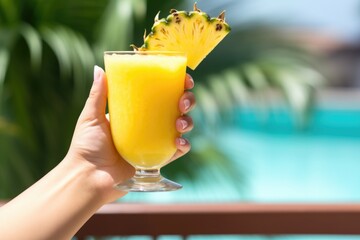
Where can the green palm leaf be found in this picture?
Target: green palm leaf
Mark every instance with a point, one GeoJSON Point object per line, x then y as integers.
{"type": "Point", "coordinates": [53, 37]}
{"type": "Point", "coordinates": [34, 44]}
{"type": "Point", "coordinates": [116, 27]}
{"type": "Point", "coordinates": [8, 12]}
{"type": "Point", "coordinates": [4, 61]}
{"type": "Point", "coordinates": [297, 83]}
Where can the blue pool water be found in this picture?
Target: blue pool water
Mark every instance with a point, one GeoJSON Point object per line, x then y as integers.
{"type": "Point", "coordinates": [321, 163]}
{"type": "Point", "coordinates": [281, 163]}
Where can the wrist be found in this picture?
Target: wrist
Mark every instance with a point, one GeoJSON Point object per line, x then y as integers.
{"type": "Point", "coordinates": [83, 175]}
{"type": "Point", "coordinates": [97, 181]}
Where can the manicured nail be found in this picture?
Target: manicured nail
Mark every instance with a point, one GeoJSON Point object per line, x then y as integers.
{"type": "Point", "coordinates": [182, 141]}
{"type": "Point", "coordinates": [187, 104]}
{"type": "Point", "coordinates": [97, 73]}
{"type": "Point", "coordinates": [184, 124]}
{"type": "Point", "coordinates": [191, 80]}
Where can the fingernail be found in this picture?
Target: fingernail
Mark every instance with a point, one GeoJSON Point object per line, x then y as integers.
{"type": "Point", "coordinates": [97, 73]}
{"type": "Point", "coordinates": [192, 81]}
{"type": "Point", "coordinates": [184, 124]}
{"type": "Point", "coordinates": [187, 104]}
{"type": "Point", "coordinates": [182, 141]}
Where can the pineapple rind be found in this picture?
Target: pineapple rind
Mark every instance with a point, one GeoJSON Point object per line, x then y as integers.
{"type": "Point", "coordinates": [195, 13]}
{"type": "Point", "coordinates": [227, 27]}
{"type": "Point", "coordinates": [194, 32]}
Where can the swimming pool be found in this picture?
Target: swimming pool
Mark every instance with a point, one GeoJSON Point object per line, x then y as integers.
{"type": "Point", "coordinates": [319, 164]}
{"type": "Point", "coordinates": [282, 163]}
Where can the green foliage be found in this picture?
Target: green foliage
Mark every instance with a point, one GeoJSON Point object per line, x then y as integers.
{"type": "Point", "coordinates": [47, 52]}
{"type": "Point", "coordinates": [48, 49]}
{"type": "Point", "coordinates": [256, 82]}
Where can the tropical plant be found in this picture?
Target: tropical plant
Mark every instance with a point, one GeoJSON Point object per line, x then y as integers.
{"type": "Point", "coordinates": [48, 49]}
{"type": "Point", "coordinates": [264, 67]}
{"type": "Point", "coordinates": [46, 61]}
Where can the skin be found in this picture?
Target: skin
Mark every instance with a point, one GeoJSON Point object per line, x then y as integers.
{"type": "Point", "coordinates": [57, 205]}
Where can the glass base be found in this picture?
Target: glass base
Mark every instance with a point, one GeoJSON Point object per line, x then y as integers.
{"type": "Point", "coordinates": [148, 181]}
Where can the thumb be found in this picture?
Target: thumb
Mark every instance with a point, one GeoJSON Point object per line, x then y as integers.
{"type": "Point", "coordinates": [96, 103]}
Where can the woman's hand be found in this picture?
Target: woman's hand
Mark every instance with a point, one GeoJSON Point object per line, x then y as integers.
{"type": "Point", "coordinates": [92, 143]}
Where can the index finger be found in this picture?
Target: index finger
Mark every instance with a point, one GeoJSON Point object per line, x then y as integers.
{"type": "Point", "coordinates": [189, 82]}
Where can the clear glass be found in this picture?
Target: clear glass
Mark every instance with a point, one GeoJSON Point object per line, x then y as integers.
{"type": "Point", "coordinates": [143, 93]}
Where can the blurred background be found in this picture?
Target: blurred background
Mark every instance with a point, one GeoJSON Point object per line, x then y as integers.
{"type": "Point", "coordinates": [278, 113]}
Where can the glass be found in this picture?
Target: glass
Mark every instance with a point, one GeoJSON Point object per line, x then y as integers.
{"type": "Point", "coordinates": [144, 89]}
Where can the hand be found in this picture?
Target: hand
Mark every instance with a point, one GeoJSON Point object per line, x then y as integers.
{"type": "Point", "coordinates": [184, 123]}
{"type": "Point", "coordinates": [92, 143]}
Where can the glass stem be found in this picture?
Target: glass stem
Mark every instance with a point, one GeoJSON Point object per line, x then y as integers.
{"type": "Point", "coordinates": [147, 173]}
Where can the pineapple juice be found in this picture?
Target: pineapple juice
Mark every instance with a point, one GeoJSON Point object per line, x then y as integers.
{"type": "Point", "coordinates": [143, 95]}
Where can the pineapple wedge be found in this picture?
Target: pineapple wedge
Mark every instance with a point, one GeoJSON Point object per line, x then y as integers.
{"type": "Point", "coordinates": [193, 33]}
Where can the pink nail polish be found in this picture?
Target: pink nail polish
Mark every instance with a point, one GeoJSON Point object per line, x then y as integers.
{"type": "Point", "coordinates": [184, 124]}
{"type": "Point", "coordinates": [187, 104]}
{"type": "Point", "coordinates": [182, 141]}
{"type": "Point", "coordinates": [192, 80]}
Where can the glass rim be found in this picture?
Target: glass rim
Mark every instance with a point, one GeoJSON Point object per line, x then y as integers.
{"type": "Point", "coordinates": [177, 53]}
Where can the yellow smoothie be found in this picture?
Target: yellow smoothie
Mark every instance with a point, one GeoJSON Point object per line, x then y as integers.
{"type": "Point", "coordinates": [143, 95]}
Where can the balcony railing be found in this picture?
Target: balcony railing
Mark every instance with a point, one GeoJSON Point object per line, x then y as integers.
{"type": "Point", "coordinates": [125, 219]}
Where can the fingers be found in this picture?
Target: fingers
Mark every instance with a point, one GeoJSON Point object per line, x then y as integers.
{"type": "Point", "coordinates": [189, 82]}
{"type": "Point", "coordinates": [183, 146]}
{"type": "Point", "coordinates": [187, 102]}
{"type": "Point", "coordinates": [184, 124]}
{"type": "Point", "coordinates": [96, 102]}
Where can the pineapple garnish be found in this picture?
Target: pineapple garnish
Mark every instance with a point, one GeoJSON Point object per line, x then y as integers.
{"type": "Point", "coordinates": [194, 33]}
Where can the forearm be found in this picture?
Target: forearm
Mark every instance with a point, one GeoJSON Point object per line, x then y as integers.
{"type": "Point", "coordinates": [55, 207]}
